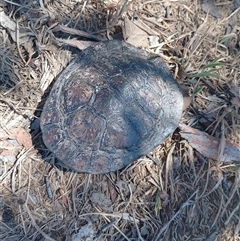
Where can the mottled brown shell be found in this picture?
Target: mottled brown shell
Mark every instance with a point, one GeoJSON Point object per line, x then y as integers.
{"type": "Point", "coordinates": [113, 104]}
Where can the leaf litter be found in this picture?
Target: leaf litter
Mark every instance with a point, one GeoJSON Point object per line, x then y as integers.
{"type": "Point", "coordinates": [181, 190]}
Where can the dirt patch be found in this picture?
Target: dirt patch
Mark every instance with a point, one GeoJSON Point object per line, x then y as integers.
{"type": "Point", "coordinates": [174, 193]}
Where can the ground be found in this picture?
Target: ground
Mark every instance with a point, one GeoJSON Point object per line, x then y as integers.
{"type": "Point", "coordinates": [175, 192]}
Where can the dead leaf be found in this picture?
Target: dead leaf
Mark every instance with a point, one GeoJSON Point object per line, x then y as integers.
{"type": "Point", "coordinates": [21, 36]}
{"type": "Point", "coordinates": [140, 24]}
{"type": "Point", "coordinates": [9, 147]}
{"type": "Point", "coordinates": [76, 43]}
{"type": "Point", "coordinates": [134, 35]}
{"type": "Point", "coordinates": [11, 143]}
{"type": "Point", "coordinates": [85, 233]}
{"type": "Point", "coordinates": [208, 145]}
{"type": "Point", "coordinates": [73, 31]}
{"type": "Point", "coordinates": [20, 135]}
{"type": "Point", "coordinates": [102, 201]}
{"type": "Point", "coordinates": [208, 6]}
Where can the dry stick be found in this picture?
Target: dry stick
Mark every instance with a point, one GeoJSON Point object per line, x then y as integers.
{"type": "Point", "coordinates": [231, 196]}
{"type": "Point", "coordinates": [158, 25]}
{"type": "Point", "coordinates": [74, 201]}
{"type": "Point", "coordinates": [213, 189]}
{"type": "Point", "coordinates": [14, 87]}
{"type": "Point", "coordinates": [104, 229]}
{"type": "Point", "coordinates": [16, 4]}
{"type": "Point", "coordinates": [169, 174]}
{"type": "Point", "coordinates": [118, 229]}
{"type": "Point", "coordinates": [222, 141]}
{"type": "Point", "coordinates": [139, 234]}
{"type": "Point", "coordinates": [124, 216]}
{"type": "Point", "coordinates": [41, 4]}
{"type": "Point", "coordinates": [130, 198]}
{"type": "Point", "coordinates": [35, 225]}
{"type": "Point", "coordinates": [232, 214]}
{"type": "Point", "coordinates": [115, 227]}
{"type": "Point", "coordinates": [81, 33]}
{"type": "Point", "coordinates": [9, 228]}
{"type": "Point", "coordinates": [201, 176]}
{"type": "Point", "coordinates": [22, 219]}
{"type": "Point", "coordinates": [80, 14]}
{"type": "Point", "coordinates": [115, 20]}
{"type": "Point", "coordinates": [29, 212]}
{"type": "Point", "coordinates": [220, 118]}
{"type": "Point", "coordinates": [70, 181]}
{"type": "Point", "coordinates": [22, 157]}
{"type": "Point", "coordinates": [212, 235]}
{"type": "Point", "coordinates": [163, 229]}
{"type": "Point", "coordinates": [157, 163]}
{"type": "Point", "coordinates": [218, 213]}
{"type": "Point", "coordinates": [13, 178]}
{"type": "Point", "coordinates": [11, 106]}
{"type": "Point", "coordinates": [229, 201]}
{"type": "Point", "coordinates": [18, 44]}
{"type": "Point", "coordinates": [233, 13]}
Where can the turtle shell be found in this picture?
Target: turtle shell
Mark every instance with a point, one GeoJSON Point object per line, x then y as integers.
{"type": "Point", "coordinates": [113, 104]}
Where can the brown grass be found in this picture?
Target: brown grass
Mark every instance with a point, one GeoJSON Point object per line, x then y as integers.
{"type": "Point", "coordinates": [181, 195]}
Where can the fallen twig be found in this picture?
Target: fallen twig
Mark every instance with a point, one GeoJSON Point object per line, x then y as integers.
{"type": "Point", "coordinates": [208, 145]}
{"type": "Point", "coordinates": [185, 204]}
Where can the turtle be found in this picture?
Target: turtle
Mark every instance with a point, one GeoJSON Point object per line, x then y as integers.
{"type": "Point", "coordinates": [111, 105]}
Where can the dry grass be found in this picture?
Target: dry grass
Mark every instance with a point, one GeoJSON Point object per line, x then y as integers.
{"type": "Point", "coordinates": [181, 195]}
